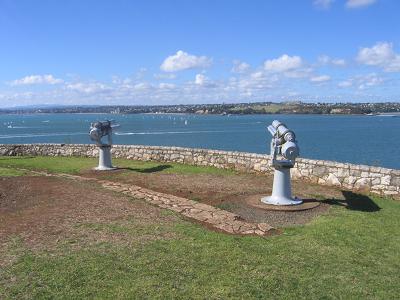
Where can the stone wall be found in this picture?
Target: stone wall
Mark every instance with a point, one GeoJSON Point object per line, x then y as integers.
{"type": "Point", "coordinates": [348, 176]}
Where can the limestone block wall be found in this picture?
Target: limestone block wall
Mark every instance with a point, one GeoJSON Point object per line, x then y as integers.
{"type": "Point", "coordinates": [348, 176]}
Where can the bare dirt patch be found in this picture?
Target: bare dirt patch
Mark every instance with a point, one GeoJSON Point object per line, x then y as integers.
{"type": "Point", "coordinates": [46, 211]}
{"type": "Point", "coordinates": [229, 192]}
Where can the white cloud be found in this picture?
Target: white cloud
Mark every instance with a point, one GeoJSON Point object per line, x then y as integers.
{"type": "Point", "coordinates": [283, 64]}
{"type": "Point", "coordinates": [381, 55]}
{"type": "Point", "coordinates": [204, 81]}
{"type": "Point", "coordinates": [166, 86]}
{"type": "Point", "coordinates": [37, 79]}
{"type": "Point", "coordinates": [325, 60]}
{"type": "Point", "coordinates": [359, 3]}
{"type": "Point", "coordinates": [323, 4]}
{"type": "Point", "coordinates": [183, 61]}
{"type": "Point", "coordinates": [345, 83]}
{"type": "Point", "coordinates": [369, 80]}
{"type": "Point", "coordinates": [259, 85]}
{"type": "Point", "coordinates": [299, 73]}
{"type": "Point", "coordinates": [165, 76]}
{"type": "Point", "coordinates": [240, 67]}
{"type": "Point", "coordinates": [377, 55]}
{"type": "Point", "coordinates": [338, 62]}
{"type": "Point", "coordinates": [141, 73]}
{"type": "Point", "coordinates": [142, 86]}
{"type": "Point", "coordinates": [200, 79]}
{"type": "Point", "coordinates": [121, 81]}
{"type": "Point", "coordinates": [321, 78]}
{"type": "Point", "coordinates": [88, 88]}
{"type": "Point", "coordinates": [257, 75]}
{"type": "Point", "coordinates": [254, 82]}
{"type": "Point", "coordinates": [270, 81]}
{"type": "Point", "coordinates": [362, 82]}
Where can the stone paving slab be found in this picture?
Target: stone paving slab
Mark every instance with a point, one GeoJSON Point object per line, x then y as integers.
{"type": "Point", "coordinates": [208, 215]}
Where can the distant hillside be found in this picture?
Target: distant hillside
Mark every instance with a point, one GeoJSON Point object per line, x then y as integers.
{"type": "Point", "coordinates": [238, 108]}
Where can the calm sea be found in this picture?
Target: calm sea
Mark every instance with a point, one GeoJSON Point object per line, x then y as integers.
{"type": "Point", "coordinates": [371, 140]}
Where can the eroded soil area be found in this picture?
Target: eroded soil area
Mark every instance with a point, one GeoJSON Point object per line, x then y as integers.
{"type": "Point", "coordinates": [229, 192]}
{"type": "Point", "coordinates": [46, 211]}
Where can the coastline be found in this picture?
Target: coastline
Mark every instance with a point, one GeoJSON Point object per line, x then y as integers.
{"type": "Point", "coordinates": [251, 108]}
{"type": "Point", "coordinates": [397, 114]}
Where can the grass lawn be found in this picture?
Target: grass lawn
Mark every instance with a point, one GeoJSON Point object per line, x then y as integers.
{"type": "Point", "coordinates": [75, 165]}
{"type": "Point", "coordinates": [346, 254]}
{"type": "Point", "coordinates": [10, 172]}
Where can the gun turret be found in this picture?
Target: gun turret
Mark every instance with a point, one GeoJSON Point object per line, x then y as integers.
{"type": "Point", "coordinates": [98, 130]}
{"type": "Point", "coordinates": [283, 144]}
{"type": "Point", "coordinates": [284, 151]}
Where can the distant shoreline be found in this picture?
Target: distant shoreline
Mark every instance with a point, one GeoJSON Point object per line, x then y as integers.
{"type": "Point", "coordinates": [395, 114]}
{"type": "Point", "coordinates": [177, 114]}
{"type": "Point", "coordinates": [254, 108]}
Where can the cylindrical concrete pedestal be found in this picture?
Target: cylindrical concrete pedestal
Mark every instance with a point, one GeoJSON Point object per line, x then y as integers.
{"type": "Point", "coordinates": [105, 158]}
{"type": "Point", "coordinates": [282, 189]}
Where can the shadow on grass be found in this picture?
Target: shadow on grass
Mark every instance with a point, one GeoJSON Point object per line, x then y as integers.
{"type": "Point", "coordinates": [354, 201]}
{"type": "Point", "coordinates": [155, 169]}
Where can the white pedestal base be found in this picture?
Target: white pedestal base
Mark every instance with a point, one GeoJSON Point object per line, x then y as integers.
{"type": "Point", "coordinates": [282, 189]}
{"type": "Point", "coordinates": [105, 159]}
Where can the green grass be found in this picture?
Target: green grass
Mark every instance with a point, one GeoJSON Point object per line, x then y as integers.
{"type": "Point", "coordinates": [50, 164]}
{"type": "Point", "coordinates": [133, 229]}
{"type": "Point", "coordinates": [10, 172]}
{"type": "Point", "coordinates": [74, 165]}
{"type": "Point", "coordinates": [269, 108]}
{"type": "Point", "coordinates": [345, 255]}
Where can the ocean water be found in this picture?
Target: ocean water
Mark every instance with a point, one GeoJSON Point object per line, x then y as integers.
{"type": "Point", "coordinates": [371, 140]}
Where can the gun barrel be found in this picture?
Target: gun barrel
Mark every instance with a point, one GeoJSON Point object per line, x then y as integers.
{"type": "Point", "coordinates": [271, 130]}
{"type": "Point", "coordinates": [285, 139]}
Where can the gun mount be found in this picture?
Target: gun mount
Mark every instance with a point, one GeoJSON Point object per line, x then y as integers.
{"type": "Point", "coordinates": [98, 130]}
{"type": "Point", "coordinates": [284, 151]}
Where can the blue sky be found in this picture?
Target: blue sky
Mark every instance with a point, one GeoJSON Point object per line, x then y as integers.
{"type": "Point", "coordinates": [214, 51]}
